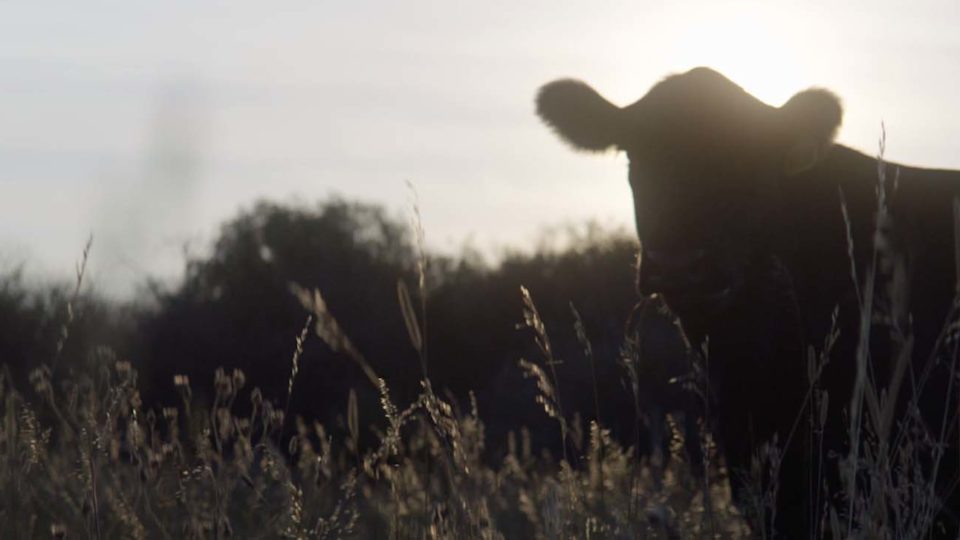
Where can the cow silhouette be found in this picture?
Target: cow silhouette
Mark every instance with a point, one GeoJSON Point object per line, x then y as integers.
{"type": "Point", "coordinates": [817, 280]}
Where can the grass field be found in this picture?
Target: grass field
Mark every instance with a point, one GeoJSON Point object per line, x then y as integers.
{"type": "Point", "coordinates": [87, 460]}
{"type": "Point", "coordinates": [81, 456]}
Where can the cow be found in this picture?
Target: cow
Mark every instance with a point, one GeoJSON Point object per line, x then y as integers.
{"type": "Point", "coordinates": [803, 269]}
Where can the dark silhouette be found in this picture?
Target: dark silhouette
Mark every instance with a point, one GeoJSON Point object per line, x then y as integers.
{"type": "Point", "coordinates": [739, 214]}
{"type": "Point", "coordinates": [235, 310]}
{"type": "Point", "coordinates": [36, 329]}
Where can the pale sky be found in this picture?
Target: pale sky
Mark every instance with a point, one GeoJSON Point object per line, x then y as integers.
{"type": "Point", "coordinates": [149, 125]}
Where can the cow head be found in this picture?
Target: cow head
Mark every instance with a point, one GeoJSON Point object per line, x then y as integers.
{"type": "Point", "coordinates": [707, 160]}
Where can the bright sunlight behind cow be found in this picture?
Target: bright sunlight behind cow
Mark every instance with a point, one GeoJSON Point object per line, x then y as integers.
{"type": "Point", "coordinates": [763, 50]}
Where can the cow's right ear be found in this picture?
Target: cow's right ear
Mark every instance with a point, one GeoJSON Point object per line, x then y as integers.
{"type": "Point", "coordinates": [580, 115]}
{"type": "Point", "coordinates": [812, 118]}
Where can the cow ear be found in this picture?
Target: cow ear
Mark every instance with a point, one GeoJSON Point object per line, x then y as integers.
{"type": "Point", "coordinates": [812, 118]}
{"type": "Point", "coordinates": [580, 115]}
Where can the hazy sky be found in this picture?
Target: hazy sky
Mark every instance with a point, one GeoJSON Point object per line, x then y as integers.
{"type": "Point", "coordinates": [148, 125]}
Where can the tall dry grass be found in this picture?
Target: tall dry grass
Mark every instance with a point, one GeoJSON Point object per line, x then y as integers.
{"type": "Point", "coordinates": [81, 456]}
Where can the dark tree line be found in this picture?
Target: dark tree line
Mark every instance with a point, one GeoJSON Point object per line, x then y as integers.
{"type": "Point", "coordinates": [235, 309]}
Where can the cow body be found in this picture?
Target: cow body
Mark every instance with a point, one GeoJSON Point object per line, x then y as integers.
{"type": "Point", "coordinates": [767, 240]}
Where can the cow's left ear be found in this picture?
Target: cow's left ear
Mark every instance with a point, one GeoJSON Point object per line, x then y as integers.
{"type": "Point", "coordinates": [581, 116]}
{"type": "Point", "coordinates": [811, 119]}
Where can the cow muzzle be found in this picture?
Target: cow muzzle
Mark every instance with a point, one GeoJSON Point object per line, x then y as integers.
{"type": "Point", "coordinates": [689, 281]}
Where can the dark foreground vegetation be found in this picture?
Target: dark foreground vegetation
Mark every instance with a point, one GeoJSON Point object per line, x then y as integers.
{"type": "Point", "coordinates": [319, 376]}
{"type": "Point", "coordinates": [292, 386]}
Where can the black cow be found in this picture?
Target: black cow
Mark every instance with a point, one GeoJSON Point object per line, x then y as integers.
{"type": "Point", "coordinates": [762, 235]}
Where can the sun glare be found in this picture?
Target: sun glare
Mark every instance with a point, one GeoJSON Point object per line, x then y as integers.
{"type": "Point", "coordinates": [758, 49]}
